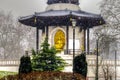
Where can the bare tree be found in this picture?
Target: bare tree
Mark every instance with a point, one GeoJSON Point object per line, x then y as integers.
{"type": "Point", "coordinates": [108, 72]}
{"type": "Point", "coordinates": [13, 37]}
{"type": "Point", "coordinates": [105, 70]}
{"type": "Point", "coordinates": [110, 32]}
{"type": "Point", "coordinates": [110, 10]}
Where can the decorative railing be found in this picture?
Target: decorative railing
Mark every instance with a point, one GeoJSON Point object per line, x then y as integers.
{"type": "Point", "coordinates": [92, 62]}
{"type": "Point", "coordinates": [77, 51]}
{"type": "Point", "coordinates": [9, 62]}
{"type": "Point", "coordinates": [70, 51]}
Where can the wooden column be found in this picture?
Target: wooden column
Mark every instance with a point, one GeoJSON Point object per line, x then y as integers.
{"type": "Point", "coordinates": [43, 34]}
{"type": "Point", "coordinates": [37, 39]}
{"type": "Point", "coordinates": [67, 39]}
{"type": "Point", "coordinates": [88, 48]}
{"type": "Point", "coordinates": [85, 40]}
{"type": "Point", "coordinates": [47, 29]}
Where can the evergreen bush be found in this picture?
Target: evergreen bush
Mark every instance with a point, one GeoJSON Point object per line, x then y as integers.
{"type": "Point", "coordinates": [46, 59]}
{"type": "Point", "coordinates": [80, 64]}
{"type": "Point", "coordinates": [25, 64]}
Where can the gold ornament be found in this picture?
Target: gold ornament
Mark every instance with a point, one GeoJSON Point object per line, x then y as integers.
{"type": "Point", "coordinates": [59, 40]}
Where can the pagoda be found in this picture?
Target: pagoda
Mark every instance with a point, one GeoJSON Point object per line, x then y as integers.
{"type": "Point", "coordinates": [65, 25]}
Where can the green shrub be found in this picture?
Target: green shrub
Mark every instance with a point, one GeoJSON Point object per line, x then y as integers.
{"type": "Point", "coordinates": [80, 64]}
{"type": "Point", "coordinates": [25, 65]}
{"type": "Point", "coordinates": [46, 59]}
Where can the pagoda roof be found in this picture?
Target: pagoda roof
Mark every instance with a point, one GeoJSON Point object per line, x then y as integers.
{"type": "Point", "coordinates": [63, 1]}
{"type": "Point", "coordinates": [62, 18]}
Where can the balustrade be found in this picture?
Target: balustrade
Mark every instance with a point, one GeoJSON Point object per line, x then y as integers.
{"type": "Point", "coordinates": [91, 62]}
{"type": "Point", "coordinates": [77, 51]}
{"type": "Point", "coordinates": [9, 62]}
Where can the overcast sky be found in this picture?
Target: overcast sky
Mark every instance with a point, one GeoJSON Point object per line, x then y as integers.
{"type": "Point", "coordinates": [27, 7]}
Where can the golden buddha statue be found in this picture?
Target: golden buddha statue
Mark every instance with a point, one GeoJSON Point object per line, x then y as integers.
{"type": "Point", "coordinates": [59, 40]}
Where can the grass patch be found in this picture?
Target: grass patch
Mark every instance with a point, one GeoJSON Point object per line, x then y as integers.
{"type": "Point", "coordinates": [6, 73]}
